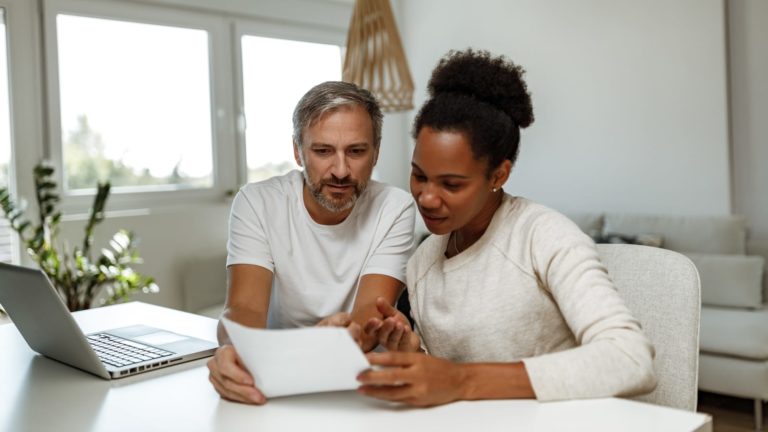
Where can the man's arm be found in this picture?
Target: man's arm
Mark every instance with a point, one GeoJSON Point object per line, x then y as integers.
{"type": "Point", "coordinates": [249, 288]}
{"type": "Point", "coordinates": [371, 287]}
{"type": "Point", "coordinates": [248, 292]}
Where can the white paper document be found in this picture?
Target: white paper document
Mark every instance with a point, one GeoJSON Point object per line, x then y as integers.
{"type": "Point", "coordinates": [294, 361]}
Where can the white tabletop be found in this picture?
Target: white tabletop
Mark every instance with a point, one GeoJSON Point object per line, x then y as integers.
{"type": "Point", "coordinates": [38, 394]}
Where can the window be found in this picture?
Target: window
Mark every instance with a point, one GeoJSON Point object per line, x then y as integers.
{"type": "Point", "coordinates": [276, 73]}
{"type": "Point", "coordinates": [174, 106]}
{"type": "Point", "coordinates": [6, 246]}
{"type": "Point", "coordinates": [135, 104]}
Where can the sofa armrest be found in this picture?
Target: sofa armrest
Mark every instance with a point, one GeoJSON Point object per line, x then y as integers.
{"type": "Point", "coordinates": [760, 248]}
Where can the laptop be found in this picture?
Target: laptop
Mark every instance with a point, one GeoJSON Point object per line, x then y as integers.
{"type": "Point", "coordinates": [46, 324]}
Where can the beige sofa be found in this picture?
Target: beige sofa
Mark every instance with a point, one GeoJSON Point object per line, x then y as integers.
{"type": "Point", "coordinates": [734, 317]}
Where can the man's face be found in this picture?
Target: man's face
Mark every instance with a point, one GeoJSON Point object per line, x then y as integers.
{"type": "Point", "coordinates": [338, 157]}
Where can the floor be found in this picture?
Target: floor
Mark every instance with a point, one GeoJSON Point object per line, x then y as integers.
{"type": "Point", "coordinates": [729, 414]}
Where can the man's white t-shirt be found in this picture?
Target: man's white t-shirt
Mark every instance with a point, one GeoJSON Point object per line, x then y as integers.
{"type": "Point", "coordinates": [317, 267]}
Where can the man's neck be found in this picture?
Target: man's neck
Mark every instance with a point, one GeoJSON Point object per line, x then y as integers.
{"type": "Point", "coordinates": [320, 214]}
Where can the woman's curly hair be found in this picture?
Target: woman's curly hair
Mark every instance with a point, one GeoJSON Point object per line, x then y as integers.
{"type": "Point", "coordinates": [481, 96]}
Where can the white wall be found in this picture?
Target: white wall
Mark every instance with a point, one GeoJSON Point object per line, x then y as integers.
{"type": "Point", "coordinates": [629, 96]}
{"type": "Point", "coordinates": [748, 34]}
{"type": "Point", "coordinates": [630, 99]}
{"type": "Point", "coordinates": [168, 239]}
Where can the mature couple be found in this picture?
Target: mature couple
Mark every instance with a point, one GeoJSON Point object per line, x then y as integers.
{"type": "Point", "coordinates": [508, 297]}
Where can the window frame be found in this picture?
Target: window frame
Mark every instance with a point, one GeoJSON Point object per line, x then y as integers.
{"type": "Point", "coordinates": [259, 28]}
{"type": "Point", "coordinates": [23, 73]}
{"type": "Point", "coordinates": [5, 225]}
{"type": "Point", "coordinates": [220, 89]}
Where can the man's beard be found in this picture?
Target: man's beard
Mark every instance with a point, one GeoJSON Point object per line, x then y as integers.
{"type": "Point", "coordinates": [330, 204]}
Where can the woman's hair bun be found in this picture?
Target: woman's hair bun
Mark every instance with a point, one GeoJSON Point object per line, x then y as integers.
{"type": "Point", "coordinates": [492, 80]}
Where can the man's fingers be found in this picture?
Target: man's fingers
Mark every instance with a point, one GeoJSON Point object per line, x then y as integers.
{"type": "Point", "coordinates": [227, 364]}
{"type": "Point", "coordinates": [234, 391]}
{"type": "Point", "coordinates": [222, 389]}
{"type": "Point", "coordinates": [341, 319]}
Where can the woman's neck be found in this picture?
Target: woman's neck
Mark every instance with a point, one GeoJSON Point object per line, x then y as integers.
{"type": "Point", "coordinates": [464, 237]}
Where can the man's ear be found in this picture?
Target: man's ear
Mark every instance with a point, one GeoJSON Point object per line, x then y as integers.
{"type": "Point", "coordinates": [297, 154]}
{"type": "Point", "coordinates": [375, 156]}
{"type": "Point", "coordinates": [501, 174]}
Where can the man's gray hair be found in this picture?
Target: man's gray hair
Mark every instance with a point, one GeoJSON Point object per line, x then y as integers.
{"type": "Point", "coordinates": [329, 96]}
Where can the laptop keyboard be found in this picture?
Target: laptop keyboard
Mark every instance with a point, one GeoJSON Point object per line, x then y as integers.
{"type": "Point", "coordinates": [119, 352]}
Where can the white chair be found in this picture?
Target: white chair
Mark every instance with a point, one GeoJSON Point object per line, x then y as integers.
{"type": "Point", "coordinates": [662, 289]}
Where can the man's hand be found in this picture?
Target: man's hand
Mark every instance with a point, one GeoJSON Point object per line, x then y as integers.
{"type": "Point", "coordinates": [230, 379]}
{"type": "Point", "coordinates": [413, 378]}
{"type": "Point", "coordinates": [392, 331]}
{"type": "Point", "coordinates": [343, 319]}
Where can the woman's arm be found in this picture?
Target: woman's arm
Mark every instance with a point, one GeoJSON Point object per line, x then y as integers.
{"type": "Point", "coordinates": [422, 380]}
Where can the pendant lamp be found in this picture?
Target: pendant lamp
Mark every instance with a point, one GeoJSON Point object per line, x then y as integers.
{"type": "Point", "coordinates": [375, 59]}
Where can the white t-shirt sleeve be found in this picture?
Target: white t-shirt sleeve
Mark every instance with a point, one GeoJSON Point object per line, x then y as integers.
{"type": "Point", "coordinates": [391, 255]}
{"type": "Point", "coordinates": [248, 242]}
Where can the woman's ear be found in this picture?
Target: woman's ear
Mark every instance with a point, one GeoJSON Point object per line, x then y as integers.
{"type": "Point", "coordinates": [501, 174]}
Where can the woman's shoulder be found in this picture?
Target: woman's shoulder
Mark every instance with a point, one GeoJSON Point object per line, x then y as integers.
{"type": "Point", "coordinates": [519, 212]}
{"type": "Point", "coordinates": [428, 254]}
{"type": "Point", "coordinates": [523, 220]}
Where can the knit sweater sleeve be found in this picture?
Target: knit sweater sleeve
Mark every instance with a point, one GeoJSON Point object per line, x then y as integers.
{"type": "Point", "coordinates": [612, 357]}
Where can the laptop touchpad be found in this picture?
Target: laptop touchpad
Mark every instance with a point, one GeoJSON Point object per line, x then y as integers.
{"type": "Point", "coordinates": [159, 338]}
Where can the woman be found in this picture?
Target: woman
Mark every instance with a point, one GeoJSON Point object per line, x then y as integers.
{"type": "Point", "coordinates": [509, 297]}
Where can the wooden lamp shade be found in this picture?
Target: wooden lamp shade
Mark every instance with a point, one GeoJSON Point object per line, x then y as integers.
{"type": "Point", "coordinates": [375, 59]}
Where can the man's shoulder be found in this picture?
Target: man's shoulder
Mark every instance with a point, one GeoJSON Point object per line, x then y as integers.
{"type": "Point", "coordinates": [278, 186]}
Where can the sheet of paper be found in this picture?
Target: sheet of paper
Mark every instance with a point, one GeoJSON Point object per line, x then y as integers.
{"type": "Point", "coordinates": [294, 361]}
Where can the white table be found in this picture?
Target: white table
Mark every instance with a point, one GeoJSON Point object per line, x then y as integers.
{"type": "Point", "coordinates": [38, 394]}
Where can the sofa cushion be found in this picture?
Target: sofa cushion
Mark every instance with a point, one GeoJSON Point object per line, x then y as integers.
{"type": "Point", "coordinates": [730, 280]}
{"type": "Point", "coordinates": [734, 332]}
{"type": "Point", "coordinates": [702, 234]}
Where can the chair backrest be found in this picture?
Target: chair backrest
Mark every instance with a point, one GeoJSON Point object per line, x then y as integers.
{"type": "Point", "coordinates": [662, 289]}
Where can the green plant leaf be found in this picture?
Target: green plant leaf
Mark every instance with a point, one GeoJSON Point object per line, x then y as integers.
{"type": "Point", "coordinates": [76, 277]}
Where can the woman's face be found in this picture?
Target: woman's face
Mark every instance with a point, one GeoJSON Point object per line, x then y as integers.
{"type": "Point", "coordinates": [449, 185]}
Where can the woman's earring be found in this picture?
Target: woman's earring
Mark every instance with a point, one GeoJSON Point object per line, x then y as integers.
{"type": "Point", "coordinates": [494, 190]}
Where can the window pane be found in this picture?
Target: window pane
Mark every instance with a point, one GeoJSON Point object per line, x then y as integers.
{"type": "Point", "coordinates": [135, 104]}
{"type": "Point", "coordinates": [5, 138]}
{"type": "Point", "coordinates": [276, 74]}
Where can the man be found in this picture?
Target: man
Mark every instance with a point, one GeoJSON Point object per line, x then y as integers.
{"type": "Point", "coordinates": [318, 247]}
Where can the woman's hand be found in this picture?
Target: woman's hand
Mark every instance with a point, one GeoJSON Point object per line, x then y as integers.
{"type": "Point", "coordinates": [392, 331]}
{"type": "Point", "coordinates": [413, 378]}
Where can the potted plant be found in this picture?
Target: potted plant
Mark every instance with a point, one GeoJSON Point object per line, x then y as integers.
{"type": "Point", "coordinates": [78, 278]}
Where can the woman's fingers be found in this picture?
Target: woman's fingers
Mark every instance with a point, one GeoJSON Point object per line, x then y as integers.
{"type": "Point", "coordinates": [391, 393]}
{"type": "Point", "coordinates": [395, 337]}
{"type": "Point", "coordinates": [385, 308]}
{"type": "Point", "coordinates": [392, 358]}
